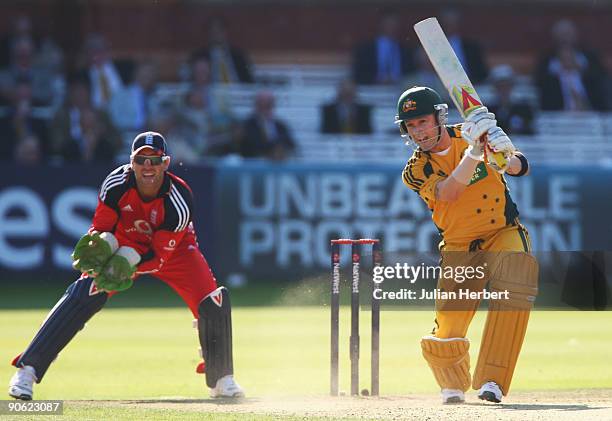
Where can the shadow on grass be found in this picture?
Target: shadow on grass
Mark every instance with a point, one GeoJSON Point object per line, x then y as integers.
{"type": "Point", "coordinates": [536, 406]}
{"type": "Point", "coordinates": [149, 292]}
{"type": "Point", "coordinates": [216, 401]}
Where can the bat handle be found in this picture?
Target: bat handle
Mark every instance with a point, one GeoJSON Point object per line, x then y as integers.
{"type": "Point", "coordinates": [498, 158]}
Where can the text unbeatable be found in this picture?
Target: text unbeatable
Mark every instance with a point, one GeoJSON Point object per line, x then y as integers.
{"type": "Point", "coordinates": [424, 294]}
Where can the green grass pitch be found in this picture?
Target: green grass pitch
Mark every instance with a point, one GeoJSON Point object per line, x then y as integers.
{"type": "Point", "coordinates": [151, 353]}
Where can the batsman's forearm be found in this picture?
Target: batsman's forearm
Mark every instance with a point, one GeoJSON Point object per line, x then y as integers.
{"type": "Point", "coordinates": [518, 165]}
{"type": "Point", "coordinates": [451, 188]}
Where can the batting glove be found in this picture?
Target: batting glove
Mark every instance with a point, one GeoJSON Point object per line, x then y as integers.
{"type": "Point", "coordinates": [499, 141]}
{"type": "Point", "coordinates": [477, 124]}
{"type": "Point", "coordinates": [499, 150]}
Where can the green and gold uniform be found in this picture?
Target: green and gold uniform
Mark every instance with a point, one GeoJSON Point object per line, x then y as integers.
{"type": "Point", "coordinates": [480, 227]}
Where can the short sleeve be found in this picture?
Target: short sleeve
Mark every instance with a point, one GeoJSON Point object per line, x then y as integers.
{"type": "Point", "coordinates": [419, 176]}
{"type": "Point", "coordinates": [178, 207]}
{"type": "Point", "coordinates": [114, 186]}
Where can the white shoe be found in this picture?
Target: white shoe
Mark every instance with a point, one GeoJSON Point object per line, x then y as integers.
{"type": "Point", "coordinates": [450, 396]}
{"type": "Point", "coordinates": [227, 387]}
{"type": "Point", "coordinates": [22, 383]}
{"type": "Point", "coordinates": [491, 392]}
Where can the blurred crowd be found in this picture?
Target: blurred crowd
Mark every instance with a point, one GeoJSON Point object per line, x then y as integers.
{"type": "Point", "coordinates": [89, 110]}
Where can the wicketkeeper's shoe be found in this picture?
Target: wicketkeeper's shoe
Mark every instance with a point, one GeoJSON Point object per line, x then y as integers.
{"type": "Point", "coordinates": [227, 387]}
{"type": "Point", "coordinates": [450, 396]}
{"type": "Point", "coordinates": [22, 383]}
{"type": "Point", "coordinates": [491, 392]}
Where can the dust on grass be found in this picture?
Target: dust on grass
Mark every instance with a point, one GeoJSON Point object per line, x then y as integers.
{"type": "Point", "coordinates": [537, 405]}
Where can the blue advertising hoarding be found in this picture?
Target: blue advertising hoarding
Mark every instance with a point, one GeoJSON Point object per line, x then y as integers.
{"type": "Point", "coordinates": [274, 221]}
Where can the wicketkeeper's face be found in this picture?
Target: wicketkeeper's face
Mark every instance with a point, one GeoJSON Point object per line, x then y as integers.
{"type": "Point", "coordinates": [149, 166]}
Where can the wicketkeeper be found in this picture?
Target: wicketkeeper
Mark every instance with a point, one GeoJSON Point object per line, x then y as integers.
{"type": "Point", "coordinates": [478, 221]}
{"type": "Point", "coordinates": [142, 225]}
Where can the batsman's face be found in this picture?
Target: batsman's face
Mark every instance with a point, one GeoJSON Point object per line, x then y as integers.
{"type": "Point", "coordinates": [149, 172]}
{"type": "Point", "coordinates": [423, 130]}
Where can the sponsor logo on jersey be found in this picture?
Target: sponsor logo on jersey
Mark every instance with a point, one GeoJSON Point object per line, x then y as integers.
{"type": "Point", "coordinates": [479, 173]}
{"type": "Point", "coordinates": [171, 245]}
{"type": "Point", "coordinates": [127, 208]}
{"type": "Point", "coordinates": [143, 227]}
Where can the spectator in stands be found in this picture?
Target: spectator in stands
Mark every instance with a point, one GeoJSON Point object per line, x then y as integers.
{"type": "Point", "coordinates": [264, 135]}
{"type": "Point", "coordinates": [104, 76]}
{"type": "Point", "coordinates": [212, 125]}
{"type": "Point", "coordinates": [46, 82]}
{"type": "Point", "coordinates": [514, 117]}
{"type": "Point", "coordinates": [233, 146]}
{"type": "Point", "coordinates": [384, 60]}
{"type": "Point", "coordinates": [468, 51]}
{"type": "Point", "coordinates": [21, 27]}
{"type": "Point", "coordinates": [180, 133]}
{"type": "Point", "coordinates": [81, 132]}
{"type": "Point", "coordinates": [345, 114]}
{"type": "Point", "coordinates": [22, 118]}
{"type": "Point", "coordinates": [228, 64]}
{"type": "Point", "coordinates": [28, 151]}
{"type": "Point", "coordinates": [201, 84]}
{"type": "Point", "coordinates": [570, 77]}
{"type": "Point", "coordinates": [130, 107]}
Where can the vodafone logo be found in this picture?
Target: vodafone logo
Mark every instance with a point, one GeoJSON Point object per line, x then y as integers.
{"type": "Point", "coordinates": [143, 227]}
{"type": "Point", "coordinates": [171, 245]}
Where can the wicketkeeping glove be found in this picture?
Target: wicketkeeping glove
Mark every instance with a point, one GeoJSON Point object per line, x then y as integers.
{"type": "Point", "coordinates": [92, 251]}
{"type": "Point", "coordinates": [478, 123]}
{"type": "Point", "coordinates": [116, 275]}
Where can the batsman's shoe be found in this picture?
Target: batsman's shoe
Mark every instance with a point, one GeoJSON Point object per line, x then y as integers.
{"type": "Point", "coordinates": [491, 392]}
{"type": "Point", "coordinates": [450, 396]}
{"type": "Point", "coordinates": [22, 383]}
{"type": "Point", "coordinates": [227, 387]}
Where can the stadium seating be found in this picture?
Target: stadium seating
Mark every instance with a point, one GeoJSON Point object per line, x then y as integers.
{"type": "Point", "coordinates": [300, 90]}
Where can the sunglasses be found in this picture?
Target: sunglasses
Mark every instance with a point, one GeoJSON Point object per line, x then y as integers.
{"type": "Point", "coordinates": [154, 160]}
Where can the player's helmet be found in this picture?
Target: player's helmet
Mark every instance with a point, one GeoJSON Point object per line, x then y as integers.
{"type": "Point", "coordinates": [419, 101]}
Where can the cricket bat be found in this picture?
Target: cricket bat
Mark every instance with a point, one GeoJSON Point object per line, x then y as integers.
{"type": "Point", "coordinates": [452, 75]}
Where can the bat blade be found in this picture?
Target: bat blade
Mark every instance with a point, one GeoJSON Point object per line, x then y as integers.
{"type": "Point", "coordinates": [451, 73]}
{"type": "Point", "coordinates": [447, 65]}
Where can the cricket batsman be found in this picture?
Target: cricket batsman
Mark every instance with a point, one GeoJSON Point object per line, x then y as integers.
{"type": "Point", "coordinates": [478, 221]}
{"type": "Point", "coordinates": [142, 225]}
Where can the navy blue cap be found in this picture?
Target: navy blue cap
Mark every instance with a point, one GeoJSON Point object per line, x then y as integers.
{"type": "Point", "coordinates": [152, 140]}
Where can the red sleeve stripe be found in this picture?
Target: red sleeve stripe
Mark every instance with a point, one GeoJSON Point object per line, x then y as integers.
{"type": "Point", "coordinates": [181, 207]}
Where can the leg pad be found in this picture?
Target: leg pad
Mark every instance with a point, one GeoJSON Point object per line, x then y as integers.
{"type": "Point", "coordinates": [507, 320]}
{"type": "Point", "coordinates": [449, 359]}
{"type": "Point", "coordinates": [215, 332]}
{"type": "Point", "coordinates": [78, 304]}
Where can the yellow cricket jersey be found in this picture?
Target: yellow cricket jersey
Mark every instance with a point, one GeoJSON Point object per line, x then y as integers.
{"type": "Point", "coordinates": [483, 208]}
